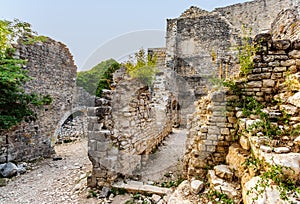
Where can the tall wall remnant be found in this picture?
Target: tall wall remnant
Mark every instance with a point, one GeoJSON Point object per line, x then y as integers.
{"type": "Point", "coordinates": [126, 125]}
{"type": "Point", "coordinates": [52, 68]}
{"type": "Point", "coordinates": [216, 123]}
{"type": "Point", "coordinates": [199, 44]}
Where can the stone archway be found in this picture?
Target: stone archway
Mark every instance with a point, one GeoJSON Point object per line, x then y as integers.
{"type": "Point", "coordinates": [66, 115]}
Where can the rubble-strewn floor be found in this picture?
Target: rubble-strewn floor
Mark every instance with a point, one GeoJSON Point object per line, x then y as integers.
{"type": "Point", "coordinates": [62, 181]}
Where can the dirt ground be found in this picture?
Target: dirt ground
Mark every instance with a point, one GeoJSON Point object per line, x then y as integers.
{"type": "Point", "coordinates": [48, 181]}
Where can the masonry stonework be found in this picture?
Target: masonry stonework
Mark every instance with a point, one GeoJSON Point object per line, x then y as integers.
{"type": "Point", "coordinates": [52, 68]}
{"type": "Point", "coordinates": [127, 124]}
{"type": "Point", "coordinates": [216, 123]}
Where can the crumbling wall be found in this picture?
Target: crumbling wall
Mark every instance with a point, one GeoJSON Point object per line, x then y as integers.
{"type": "Point", "coordinates": [125, 126]}
{"type": "Point", "coordinates": [258, 14]}
{"type": "Point", "coordinates": [195, 50]}
{"type": "Point", "coordinates": [52, 68]}
{"type": "Point", "coordinates": [216, 123]}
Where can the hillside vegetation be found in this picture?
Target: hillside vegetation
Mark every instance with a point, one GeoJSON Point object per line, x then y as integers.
{"type": "Point", "coordinates": [100, 75]}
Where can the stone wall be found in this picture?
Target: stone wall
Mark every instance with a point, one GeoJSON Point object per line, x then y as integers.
{"type": "Point", "coordinates": [52, 68]}
{"type": "Point", "coordinates": [127, 124]}
{"type": "Point", "coordinates": [198, 51]}
{"type": "Point", "coordinates": [216, 123]}
{"type": "Point", "coordinates": [258, 14]}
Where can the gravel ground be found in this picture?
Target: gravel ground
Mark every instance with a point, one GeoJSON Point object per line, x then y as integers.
{"type": "Point", "coordinates": [48, 181]}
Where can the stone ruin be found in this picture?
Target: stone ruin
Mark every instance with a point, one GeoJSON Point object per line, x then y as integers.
{"type": "Point", "coordinates": [52, 68]}
{"type": "Point", "coordinates": [127, 124]}
{"type": "Point", "coordinates": [189, 63]}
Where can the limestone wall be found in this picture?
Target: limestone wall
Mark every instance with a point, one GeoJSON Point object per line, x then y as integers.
{"type": "Point", "coordinates": [216, 123]}
{"type": "Point", "coordinates": [258, 14]}
{"type": "Point", "coordinates": [52, 68]}
{"type": "Point", "coordinates": [125, 126]}
{"type": "Point", "coordinates": [199, 44]}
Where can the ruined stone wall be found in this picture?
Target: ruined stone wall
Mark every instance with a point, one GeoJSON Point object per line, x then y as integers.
{"type": "Point", "coordinates": [52, 68]}
{"type": "Point", "coordinates": [257, 15]}
{"type": "Point", "coordinates": [159, 54]}
{"type": "Point", "coordinates": [191, 44]}
{"type": "Point", "coordinates": [199, 43]}
{"type": "Point", "coordinates": [125, 126]}
{"type": "Point", "coordinates": [214, 125]}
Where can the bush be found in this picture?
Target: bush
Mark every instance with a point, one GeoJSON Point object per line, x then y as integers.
{"type": "Point", "coordinates": [142, 67]}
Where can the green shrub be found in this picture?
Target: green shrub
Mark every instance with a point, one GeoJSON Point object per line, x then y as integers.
{"type": "Point", "coordinates": [142, 67]}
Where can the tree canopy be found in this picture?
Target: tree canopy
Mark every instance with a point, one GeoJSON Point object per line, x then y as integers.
{"type": "Point", "coordinates": [98, 78]}
{"type": "Point", "coordinates": [15, 104]}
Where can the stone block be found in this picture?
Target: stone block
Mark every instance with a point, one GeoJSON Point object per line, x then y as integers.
{"type": "Point", "coordinates": [267, 69]}
{"type": "Point", "coordinates": [244, 142]}
{"type": "Point", "coordinates": [214, 130]}
{"type": "Point", "coordinates": [295, 54]}
{"type": "Point", "coordinates": [197, 186]}
{"type": "Point", "coordinates": [293, 69]}
{"type": "Point", "coordinates": [218, 96]}
{"type": "Point", "coordinates": [280, 69]}
{"type": "Point", "coordinates": [287, 63]}
{"type": "Point", "coordinates": [224, 172]}
{"type": "Point", "coordinates": [225, 131]}
{"type": "Point", "coordinates": [212, 137]}
{"type": "Point", "coordinates": [235, 158]}
{"type": "Point", "coordinates": [210, 148]}
{"type": "Point", "coordinates": [254, 84]}
{"type": "Point", "coordinates": [256, 70]}
{"type": "Point", "coordinates": [281, 44]}
{"type": "Point", "coordinates": [274, 64]}
{"type": "Point", "coordinates": [268, 58]}
{"type": "Point", "coordinates": [267, 90]}
{"type": "Point", "coordinates": [265, 148]}
{"type": "Point", "coordinates": [276, 76]}
{"type": "Point", "coordinates": [296, 44]}
{"type": "Point", "coordinates": [281, 150]}
{"type": "Point", "coordinates": [268, 83]}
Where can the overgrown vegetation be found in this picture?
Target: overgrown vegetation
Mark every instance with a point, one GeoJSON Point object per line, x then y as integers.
{"type": "Point", "coordinates": [98, 78]}
{"type": "Point", "coordinates": [171, 183]}
{"type": "Point", "coordinates": [271, 127]}
{"type": "Point", "coordinates": [107, 78]}
{"type": "Point", "coordinates": [142, 67]}
{"type": "Point", "coordinates": [16, 104]}
{"type": "Point", "coordinates": [218, 197]}
{"type": "Point", "coordinates": [274, 175]}
{"type": "Point", "coordinates": [246, 52]}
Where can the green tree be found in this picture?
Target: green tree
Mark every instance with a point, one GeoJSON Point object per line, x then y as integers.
{"type": "Point", "coordinates": [142, 67]}
{"type": "Point", "coordinates": [107, 78]}
{"type": "Point", "coordinates": [89, 80]}
{"type": "Point", "coordinates": [15, 104]}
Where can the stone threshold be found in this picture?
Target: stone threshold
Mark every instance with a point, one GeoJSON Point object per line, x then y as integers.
{"type": "Point", "coordinates": [140, 187]}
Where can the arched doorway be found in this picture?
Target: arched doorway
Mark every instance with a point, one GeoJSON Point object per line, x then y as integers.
{"type": "Point", "coordinates": [72, 125]}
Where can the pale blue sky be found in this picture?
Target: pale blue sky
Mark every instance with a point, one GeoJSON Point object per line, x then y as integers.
{"type": "Point", "coordinates": [90, 25]}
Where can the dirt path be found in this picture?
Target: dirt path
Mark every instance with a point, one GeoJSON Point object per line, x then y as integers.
{"type": "Point", "coordinates": [49, 181]}
{"type": "Point", "coordinates": [167, 158]}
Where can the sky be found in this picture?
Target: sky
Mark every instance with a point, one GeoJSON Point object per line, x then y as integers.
{"type": "Point", "coordinates": [95, 30]}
